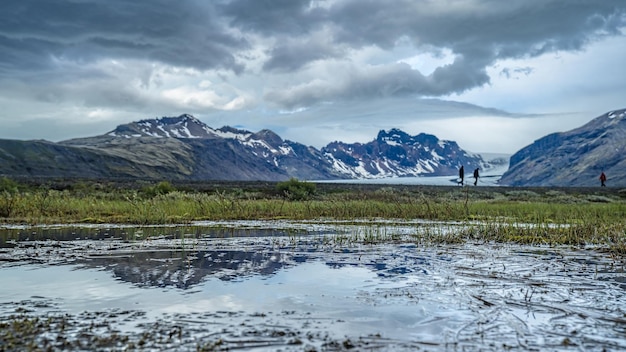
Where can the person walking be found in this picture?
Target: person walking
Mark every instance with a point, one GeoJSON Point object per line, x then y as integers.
{"type": "Point", "coordinates": [475, 176]}
{"type": "Point", "coordinates": [602, 179]}
{"type": "Point", "coordinates": [461, 175]}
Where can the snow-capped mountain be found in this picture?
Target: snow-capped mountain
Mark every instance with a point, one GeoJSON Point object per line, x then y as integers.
{"type": "Point", "coordinates": [574, 158]}
{"type": "Point", "coordinates": [395, 153]}
{"type": "Point", "coordinates": [203, 152]}
{"type": "Point", "coordinates": [265, 143]}
{"type": "Point", "coordinates": [183, 147]}
{"type": "Point", "coordinates": [183, 126]}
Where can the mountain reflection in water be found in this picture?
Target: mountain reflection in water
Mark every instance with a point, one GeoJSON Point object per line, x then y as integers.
{"type": "Point", "coordinates": [184, 270]}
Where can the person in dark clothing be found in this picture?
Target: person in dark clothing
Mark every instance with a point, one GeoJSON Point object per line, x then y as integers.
{"type": "Point", "coordinates": [475, 176]}
{"type": "Point", "coordinates": [461, 175]}
{"type": "Point", "coordinates": [602, 179]}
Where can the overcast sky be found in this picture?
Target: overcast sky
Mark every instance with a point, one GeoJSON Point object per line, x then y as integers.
{"type": "Point", "coordinates": [492, 75]}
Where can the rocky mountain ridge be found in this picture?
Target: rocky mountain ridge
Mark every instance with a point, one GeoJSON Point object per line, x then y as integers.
{"type": "Point", "coordinates": [183, 147]}
{"type": "Point", "coordinates": [574, 158]}
{"type": "Point", "coordinates": [395, 153]}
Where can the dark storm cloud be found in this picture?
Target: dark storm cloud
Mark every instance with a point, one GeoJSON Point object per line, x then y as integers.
{"type": "Point", "coordinates": [497, 28]}
{"type": "Point", "coordinates": [381, 81]}
{"type": "Point", "coordinates": [274, 17]}
{"type": "Point", "coordinates": [478, 33]}
{"type": "Point", "coordinates": [483, 31]}
{"type": "Point", "coordinates": [295, 54]}
{"type": "Point", "coordinates": [182, 33]}
{"type": "Point", "coordinates": [394, 80]}
{"type": "Point", "coordinates": [36, 35]}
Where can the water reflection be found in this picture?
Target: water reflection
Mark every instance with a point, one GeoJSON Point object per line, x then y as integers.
{"type": "Point", "coordinates": [184, 270]}
{"type": "Point", "coordinates": [185, 256]}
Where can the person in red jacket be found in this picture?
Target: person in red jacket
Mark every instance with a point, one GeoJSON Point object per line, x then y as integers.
{"type": "Point", "coordinates": [602, 179]}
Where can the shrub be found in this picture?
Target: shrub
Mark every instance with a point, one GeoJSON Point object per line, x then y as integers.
{"type": "Point", "coordinates": [295, 189]}
{"type": "Point", "coordinates": [161, 188]}
{"type": "Point", "coordinates": [8, 196]}
{"type": "Point", "coordinates": [8, 185]}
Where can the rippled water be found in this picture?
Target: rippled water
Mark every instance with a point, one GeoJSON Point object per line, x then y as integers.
{"type": "Point", "coordinates": [265, 290]}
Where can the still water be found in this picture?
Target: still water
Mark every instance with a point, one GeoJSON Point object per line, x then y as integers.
{"type": "Point", "coordinates": [307, 292]}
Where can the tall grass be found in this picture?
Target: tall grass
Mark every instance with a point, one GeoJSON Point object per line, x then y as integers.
{"type": "Point", "coordinates": [131, 206]}
{"type": "Point", "coordinates": [521, 216]}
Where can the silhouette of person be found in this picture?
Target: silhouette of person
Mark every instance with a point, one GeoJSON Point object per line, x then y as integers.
{"type": "Point", "coordinates": [475, 176]}
{"type": "Point", "coordinates": [602, 179]}
{"type": "Point", "coordinates": [461, 175]}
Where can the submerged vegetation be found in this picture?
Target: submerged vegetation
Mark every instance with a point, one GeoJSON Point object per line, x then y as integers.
{"type": "Point", "coordinates": [529, 216]}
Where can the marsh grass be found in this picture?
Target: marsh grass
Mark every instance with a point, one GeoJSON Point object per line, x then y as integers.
{"type": "Point", "coordinates": [610, 238]}
{"type": "Point", "coordinates": [50, 206]}
{"type": "Point", "coordinates": [549, 217]}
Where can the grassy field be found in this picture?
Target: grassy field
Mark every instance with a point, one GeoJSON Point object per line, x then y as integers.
{"type": "Point", "coordinates": [574, 216]}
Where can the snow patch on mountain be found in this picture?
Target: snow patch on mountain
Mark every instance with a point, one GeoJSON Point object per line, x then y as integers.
{"type": "Point", "coordinates": [618, 113]}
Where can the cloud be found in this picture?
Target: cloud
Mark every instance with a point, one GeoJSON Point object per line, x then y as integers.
{"type": "Point", "coordinates": [242, 62]}
{"type": "Point", "coordinates": [273, 18]}
{"type": "Point", "coordinates": [478, 33]}
{"type": "Point", "coordinates": [381, 81]}
{"type": "Point", "coordinates": [185, 33]}
{"type": "Point", "coordinates": [294, 53]}
{"type": "Point", "coordinates": [589, 82]}
{"type": "Point", "coordinates": [218, 35]}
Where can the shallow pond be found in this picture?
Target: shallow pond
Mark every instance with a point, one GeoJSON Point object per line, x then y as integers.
{"type": "Point", "coordinates": [294, 286]}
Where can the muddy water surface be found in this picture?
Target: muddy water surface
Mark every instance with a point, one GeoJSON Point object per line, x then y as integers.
{"type": "Point", "coordinates": [253, 287]}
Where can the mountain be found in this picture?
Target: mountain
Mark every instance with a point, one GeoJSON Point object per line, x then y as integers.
{"type": "Point", "coordinates": [184, 126]}
{"type": "Point", "coordinates": [184, 148]}
{"type": "Point", "coordinates": [44, 159]}
{"type": "Point", "coordinates": [574, 158]}
{"type": "Point", "coordinates": [395, 153]}
{"type": "Point", "coordinates": [201, 152]}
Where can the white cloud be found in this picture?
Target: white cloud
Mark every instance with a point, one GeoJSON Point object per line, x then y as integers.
{"type": "Point", "coordinates": [428, 62]}
{"type": "Point", "coordinates": [192, 98]}
{"type": "Point", "coordinates": [589, 81]}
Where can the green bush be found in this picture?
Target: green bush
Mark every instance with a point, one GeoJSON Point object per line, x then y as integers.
{"type": "Point", "coordinates": [161, 188]}
{"type": "Point", "coordinates": [295, 189]}
{"type": "Point", "coordinates": [8, 197]}
{"type": "Point", "coordinates": [8, 185]}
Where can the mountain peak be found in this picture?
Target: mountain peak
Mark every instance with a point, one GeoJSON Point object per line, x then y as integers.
{"type": "Point", "coordinates": [396, 136]}
{"type": "Point", "coordinates": [180, 120]}
{"type": "Point", "coordinates": [269, 136]}
{"type": "Point", "coordinates": [393, 136]}
{"type": "Point", "coordinates": [187, 116]}
{"type": "Point", "coordinates": [183, 126]}
{"type": "Point", "coordinates": [396, 153]}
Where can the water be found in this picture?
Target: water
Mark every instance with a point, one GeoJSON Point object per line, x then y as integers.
{"type": "Point", "coordinates": [306, 292]}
